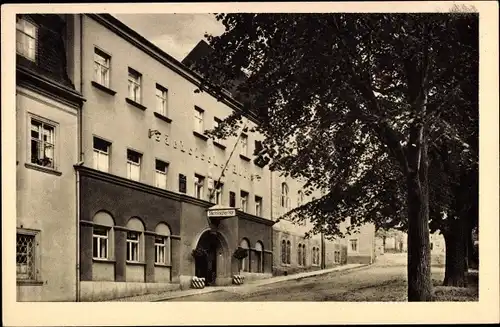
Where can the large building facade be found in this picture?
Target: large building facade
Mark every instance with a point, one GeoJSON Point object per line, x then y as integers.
{"type": "Point", "coordinates": [132, 177]}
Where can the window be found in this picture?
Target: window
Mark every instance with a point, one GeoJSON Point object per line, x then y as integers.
{"type": "Point", "coordinates": [288, 251]}
{"type": "Point", "coordinates": [162, 244]}
{"type": "Point", "coordinates": [245, 262]}
{"type": "Point", "coordinates": [244, 201]}
{"type": "Point", "coordinates": [133, 165]}
{"type": "Point", "coordinates": [285, 200]}
{"type": "Point", "coordinates": [102, 236]}
{"type": "Point", "coordinates": [26, 265]}
{"type": "Point", "coordinates": [26, 39]}
{"type": "Point", "coordinates": [283, 251]}
{"type": "Point", "coordinates": [133, 246]}
{"type": "Point", "coordinates": [299, 255]}
{"type": "Point", "coordinates": [42, 144]}
{"type": "Point", "coordinates": [161, 169]}
{"type": "Point", "coordinates": [244, 145]}
{"type": "Point", "coordinates": [300, 198]}
{"type": "Point", "coordinates": [317, 256]}
{"type": "Point", "coordinates": [160, 249]}
{"type": "Point", "coordinates": [336, 256]}
{"type": "Point", "coordinates": [101, 67]}
{"type": "Point", "coordinates": [258, 206]}
{"type": "Point", "coordinates": [304, 254]}
{"type": "Point", "coordinates": [218, 192]}
{"type": "Point", "coordinates": [101, 154]}
{"type": "Point", "coordinates": [198, 186]}
{"type": "Point", "coordinates": [161, 100]}
{"type": "Point", "coordinates": [432, 246]}
{"type": "Point", "coordinates": [100, 242]}
{"type": "Point", "coordinates": [354, 245]}
{"type": "Point", "coordinates": [182, 183]}
{"type": "Point", "coordinates": [232, 199]}
{"type": "Point", "coordinates": [134, 85]}
{"type": "Point", "coordinates": [216, 124]}
{"type": "Point", "coordinates": [259, 254]}
{"type": "Point", "coordinates": [198, 120]}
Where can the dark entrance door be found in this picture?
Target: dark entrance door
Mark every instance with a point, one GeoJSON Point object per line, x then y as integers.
{"type": "Point", "coordinates": [206, 265]}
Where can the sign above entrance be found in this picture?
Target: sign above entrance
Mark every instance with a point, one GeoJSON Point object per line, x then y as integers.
{"type": "Point", "coordinates": [221, 212]}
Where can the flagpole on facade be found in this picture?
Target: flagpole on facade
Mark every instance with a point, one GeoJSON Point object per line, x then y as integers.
{"type": "Point", "coordinates": [225, 165]}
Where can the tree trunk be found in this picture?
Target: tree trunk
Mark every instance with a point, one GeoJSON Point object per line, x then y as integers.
{"type": "Point", "coordinates": [455, 239]}
{"type": "Point", "coordinates": [419, 272]}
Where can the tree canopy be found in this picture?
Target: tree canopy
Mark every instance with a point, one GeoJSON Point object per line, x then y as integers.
{"type": "Point", "coordinates": [358, 106]}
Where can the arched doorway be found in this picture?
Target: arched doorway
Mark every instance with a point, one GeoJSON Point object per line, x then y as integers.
{"type": "Point", "coordinates": [210, 265]}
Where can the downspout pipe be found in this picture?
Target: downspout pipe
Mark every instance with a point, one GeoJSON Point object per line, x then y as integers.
{"type": "Point", "coordinates": [80, 162]}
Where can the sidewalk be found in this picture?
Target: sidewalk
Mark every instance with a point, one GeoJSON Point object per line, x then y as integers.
{"type": "Point", "coordinates": [249, 286]}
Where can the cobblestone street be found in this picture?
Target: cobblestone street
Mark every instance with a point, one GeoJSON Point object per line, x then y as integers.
{"type": "Point", "coordinates": [382, 281]}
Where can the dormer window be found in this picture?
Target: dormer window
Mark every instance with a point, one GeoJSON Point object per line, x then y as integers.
{"type": "Point", "coordinates": [26, 39]}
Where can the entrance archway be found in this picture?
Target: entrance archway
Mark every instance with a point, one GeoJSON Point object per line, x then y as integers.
{"type": "Point", "coordinates": [212, 264]}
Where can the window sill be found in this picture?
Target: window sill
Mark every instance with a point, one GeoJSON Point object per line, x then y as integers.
{"type": "Point", "coordinates": [43, 169]}
{"type": "Point", "coordinates": [162, 265]}
{"type": "Point", "coordinates": [135, 104]}
{"type": "Point", "coordinates": [219, 145]}
{"type": "Point", "coordinates": [103, 88]}
{"type": "Point", "coordinates": [201, 136]}
{"type": "Point", "coordinates": [134, 263]}
{"type": "Point", "coordinates": [162, 117]}
{"type": "Point", "coordinates": [103, 260]}
{"type": "Point", "coordinates": [29, 283]}
{"type": "Point", "coordinates": [244, 157]}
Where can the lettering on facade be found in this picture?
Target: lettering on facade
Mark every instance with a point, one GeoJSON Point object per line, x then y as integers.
{"type": "Point", "coordinates": [176, 144]}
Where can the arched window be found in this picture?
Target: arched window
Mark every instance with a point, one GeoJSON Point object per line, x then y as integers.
{"type": "Point", "coordinates": [260, 256]}
{"type": "Point", "coordinates": [135, 240]}
{"type": "Point", "coordinates": [102, 236]}
{"type": "Point", "coordinates": [283, 251]}
{"type": "Point", "coordinates": [304, 254]}
{"type": "Point", "coordinates": [163, 247]}
{"type": "Point", "coordinates": [245, 263]}
{"type": "Point", "coordinates": [300, 198]}
{"type": "Point", "coordinates": [314, 256]}
{"type": "Point", "coordinates": [285, 200]}
{"type": "Point", "coordinates": [299, 254]}
{"type": "Point", "coordinates": [288, 251]}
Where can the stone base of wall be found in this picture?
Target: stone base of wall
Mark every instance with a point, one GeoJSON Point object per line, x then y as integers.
{"type": "Point", "coordinates": [103, 291]}
{"type": "Point", "coordinates": [332, 265]}
{"type": "Point", "coordinates": [185, 281]}
{"type": "Point", "coordinates": [290, 270]}
{"type": "Point", "coordinates": [359, 259]}
{"type": "Point", "coordinates": [249, 276]}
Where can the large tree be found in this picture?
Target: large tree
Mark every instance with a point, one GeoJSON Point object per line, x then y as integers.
{"type": "Point", "coordinates": [350, 103]}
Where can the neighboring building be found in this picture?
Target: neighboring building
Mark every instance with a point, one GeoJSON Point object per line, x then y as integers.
{"type": "Point", "coordinates": [115, 182]}
{"type": "Point", "coordinates": [292, 251]}
{"type": "Point", "coordinates": [361, 245]}
{"type": "Point", "coordinates": [47, 107]}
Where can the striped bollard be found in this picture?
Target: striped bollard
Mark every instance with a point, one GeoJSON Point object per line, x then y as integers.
{"type": "Point", "coordinates": [238, 279]}
{"type": "Point", "coordinates": [198, 282]}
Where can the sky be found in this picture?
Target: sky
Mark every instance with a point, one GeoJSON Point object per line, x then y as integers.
{"type": "Point", "coordinates": [176, 34]}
